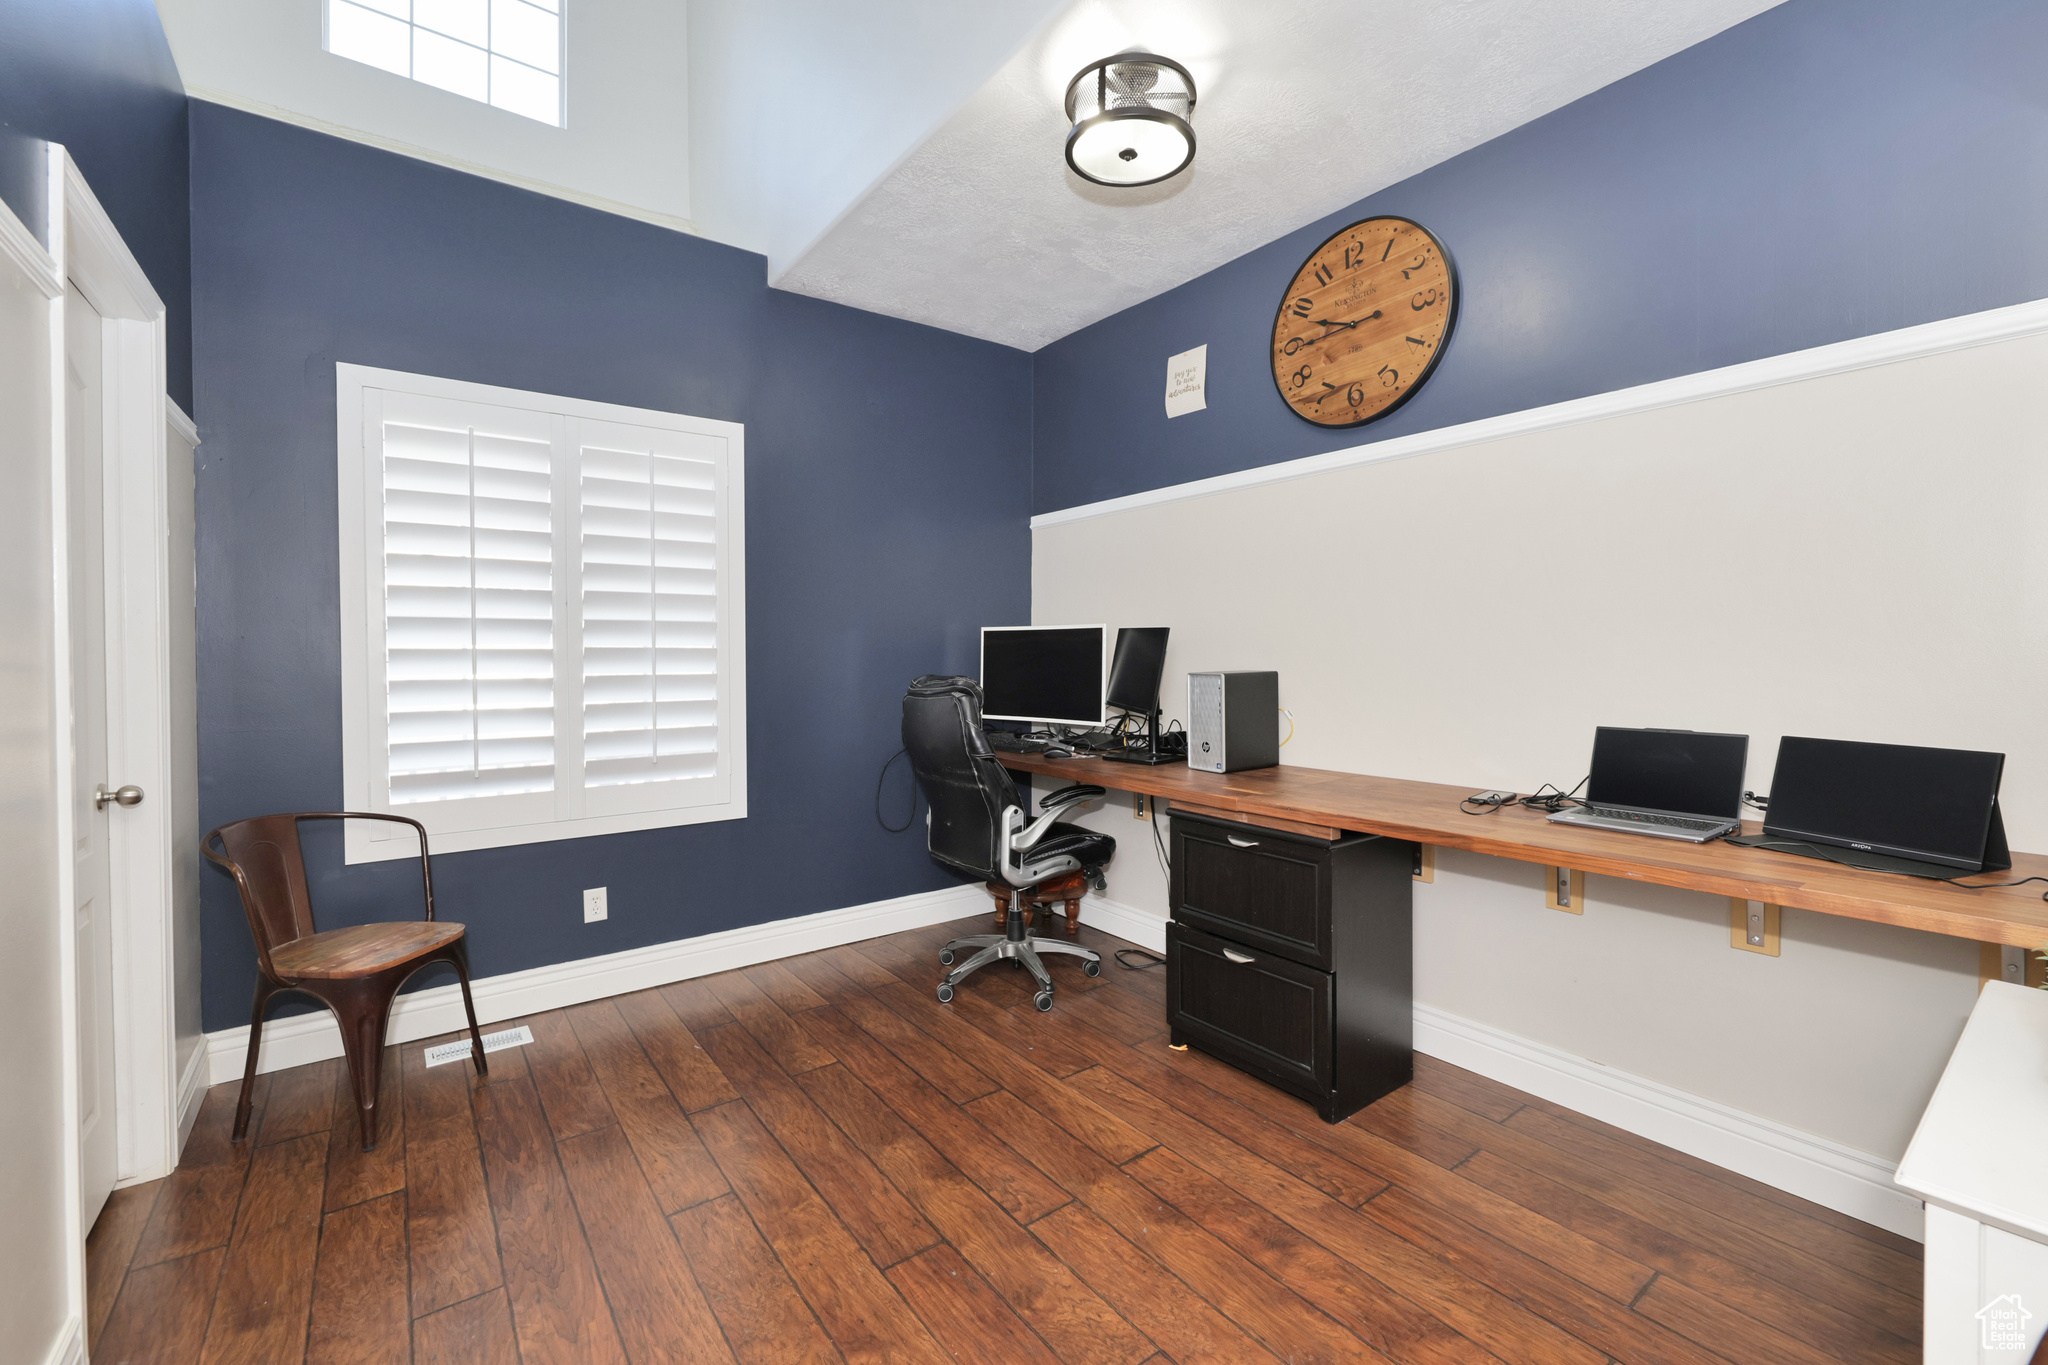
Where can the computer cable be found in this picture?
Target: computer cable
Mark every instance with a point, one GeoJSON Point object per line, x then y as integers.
{"type": "Point", "coordinates": [1157, 960]}
{"type": "Point", "coordinates": [909, 819]}
{"type": "Point", "coordinates": [1290, 725]}
{"type": "Point", "coordinates": [1547, 798]}
{"type": "Point", "coordinates": [1758, 802]}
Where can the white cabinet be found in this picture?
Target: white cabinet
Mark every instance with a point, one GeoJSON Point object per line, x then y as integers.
{"type": "Point", "coordinates": [1980, 1160]}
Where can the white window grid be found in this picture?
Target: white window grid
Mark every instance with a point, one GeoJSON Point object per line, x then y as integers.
{"type": "Point", "coordinates": [505, 53]}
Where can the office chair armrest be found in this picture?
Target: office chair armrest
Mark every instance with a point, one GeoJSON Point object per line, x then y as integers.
{"type": "Point", "coordinates": [1069, 797]}
{"type": "Point", "coordinates": [1080, 791]}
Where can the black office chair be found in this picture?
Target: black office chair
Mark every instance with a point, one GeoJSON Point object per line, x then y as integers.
{"type": "Point", "coordinates": [975, 824]}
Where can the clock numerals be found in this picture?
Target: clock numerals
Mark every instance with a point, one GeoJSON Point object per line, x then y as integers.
{"type": "Point", "coordinates": [1337, 359]}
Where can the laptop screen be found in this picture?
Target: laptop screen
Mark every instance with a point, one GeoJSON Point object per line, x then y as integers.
{"type": "Point", "coordinates": [1669, 770]}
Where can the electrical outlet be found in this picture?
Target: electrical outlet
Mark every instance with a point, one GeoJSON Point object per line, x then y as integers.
{"type": "Point", "coordinates": [1142, 806]}
{"type": "Point", "coordinates": [596, 905]}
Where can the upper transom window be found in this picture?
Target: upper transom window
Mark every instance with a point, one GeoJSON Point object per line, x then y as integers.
{"type": "Point", "coordinates": [506, 53]}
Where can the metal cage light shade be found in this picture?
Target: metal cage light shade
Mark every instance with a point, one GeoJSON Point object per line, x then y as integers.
{"type": "Point", "coordinates": [1130, 114]}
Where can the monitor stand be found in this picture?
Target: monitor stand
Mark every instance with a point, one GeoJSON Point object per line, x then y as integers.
{"type": "Point", "coordinates": [1997, 855]}
{"type": "Point", "coordinates": [1148, 755]}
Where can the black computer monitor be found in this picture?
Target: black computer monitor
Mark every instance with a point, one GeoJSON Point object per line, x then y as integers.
{"type": "Point", "coordinates": [1135, 671]}
{"type": "Point", "coordinates": [1048, 674]}
{"type": "Point", "coordinates": [1899, 800]}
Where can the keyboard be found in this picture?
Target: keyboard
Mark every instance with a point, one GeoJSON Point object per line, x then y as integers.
{"type": "Point", "coordinates": [1674, 821]}
{"type": "Point", "coordinates": [1689, 828]}
{"type": "Point", "coordinates": [1002, 741]}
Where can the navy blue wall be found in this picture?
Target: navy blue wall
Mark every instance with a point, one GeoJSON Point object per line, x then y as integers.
{"type": "Point", "coordinates": [888, 477]}
{"type": "Point", "coordinates": [1829, 169]}
{"type": "Point", "coordinates": [97, 76]}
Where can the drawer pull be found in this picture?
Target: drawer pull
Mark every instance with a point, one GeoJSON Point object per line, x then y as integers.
{"type": "Point", "coordinates": [1236, 842]}
{"type": "Point", "coordinates": [1239, 958]}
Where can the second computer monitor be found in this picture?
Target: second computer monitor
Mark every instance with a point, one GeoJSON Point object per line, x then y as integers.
{"type": "Point", "coordinates": [1048, 674]}
{"type": "Point", "coordinates": [1135, 672]}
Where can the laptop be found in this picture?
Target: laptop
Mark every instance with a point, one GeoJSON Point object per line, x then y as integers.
{"type": "Point", "coordinates": [1671, 784]}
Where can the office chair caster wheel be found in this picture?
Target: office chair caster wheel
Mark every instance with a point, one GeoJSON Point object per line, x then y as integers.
{"type": "Point", "coordinates": [945, 957]}
{"type": "Point", "coordinates": [1090, 967]}
{"type": "Point", "coordinates": [1043, 1000]}
{"type": "Point", "coordinates": [945, 993]}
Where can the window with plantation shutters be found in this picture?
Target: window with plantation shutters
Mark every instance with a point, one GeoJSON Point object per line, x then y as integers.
{"type": "Point", "coordinates": [542, 614]}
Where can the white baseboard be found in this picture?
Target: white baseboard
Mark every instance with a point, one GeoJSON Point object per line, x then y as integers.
{"type": "Point", "coordinates": [1829, 1174]}
{"type": "Point", "coordinates": [422, 1014]}
{"type": "Point", "coordinates": [1814, 1168]}
{"type": "Point", "coordinates": [69, 1347]}
{"type": "Point", "coordinates": [1142, 927]}
{"type": "Point", "coordinates": [192, 1088]}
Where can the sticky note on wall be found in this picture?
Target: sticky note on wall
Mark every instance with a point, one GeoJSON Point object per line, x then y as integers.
{"type": "Point", "coordinates": [1187, 382]}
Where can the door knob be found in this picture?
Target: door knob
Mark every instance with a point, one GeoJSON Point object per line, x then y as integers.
{"type": "Point", "coordinates": [130, 795]}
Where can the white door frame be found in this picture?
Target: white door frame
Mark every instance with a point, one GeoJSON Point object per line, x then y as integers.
{"type": "Point", "coordinates": [142, 862]}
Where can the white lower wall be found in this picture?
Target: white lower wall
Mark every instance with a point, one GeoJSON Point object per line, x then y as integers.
{"type": "Point", "coordinates": [1860, 554]}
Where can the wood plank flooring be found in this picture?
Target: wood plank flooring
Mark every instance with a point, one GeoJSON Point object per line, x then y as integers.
{"type": "Point", "coordinates": [815, 1161]}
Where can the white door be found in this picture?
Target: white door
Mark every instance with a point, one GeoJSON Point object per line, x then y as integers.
{"type": "Point", "coordinates": [85, 480]}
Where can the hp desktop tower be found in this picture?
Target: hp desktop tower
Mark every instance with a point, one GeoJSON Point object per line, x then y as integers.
{"type": "Point", "coordinates": [1233, 721]}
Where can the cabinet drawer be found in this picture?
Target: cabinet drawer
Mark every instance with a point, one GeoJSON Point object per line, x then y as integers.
{"type": "Point", "coordinates": [1263, 1013]}
{"type": "Point", "coordinates": [1263, 889]}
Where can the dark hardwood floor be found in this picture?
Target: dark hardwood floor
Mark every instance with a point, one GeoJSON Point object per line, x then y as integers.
{"type": "Point", "coordinates": [814, 1161]}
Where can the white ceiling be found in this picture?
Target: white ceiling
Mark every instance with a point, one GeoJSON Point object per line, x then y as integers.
{"type": "Point", "coordinates": [797, 107]}
{"type": "Point", "coordinates": [1305, 106]}
{"type": "Point", "coordinates": [904, 156]}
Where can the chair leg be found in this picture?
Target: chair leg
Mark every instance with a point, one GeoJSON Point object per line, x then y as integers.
{"type": "Point", "coordinates": [459, 955]}
{"type": "Point", "coordinates": [363, 1009]}
{"type": "Point", "coordinates": [264, 990]}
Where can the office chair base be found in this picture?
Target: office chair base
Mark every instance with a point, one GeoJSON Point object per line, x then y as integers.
{"type": "Point", "coordinates": [1024, 951]}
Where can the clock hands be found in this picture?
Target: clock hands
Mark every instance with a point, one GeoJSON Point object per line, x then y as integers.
{"type": "Point", "coordinates": [1332, 328]}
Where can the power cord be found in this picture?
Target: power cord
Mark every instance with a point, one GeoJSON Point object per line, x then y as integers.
{"type": "Point", "coordinates": [1547, 798]}
{"type": "Point", "coordinates": [1157, 960]}
{"type": "Point", "coordinates": [909, 819]}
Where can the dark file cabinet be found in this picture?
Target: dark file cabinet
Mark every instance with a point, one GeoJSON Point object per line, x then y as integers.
{"type": "Point", "coordinates": [1292, 958]}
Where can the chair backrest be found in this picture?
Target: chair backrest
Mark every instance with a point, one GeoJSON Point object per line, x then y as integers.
{"type": "Point", "coordinates": [965, 785]}
{"type": "Point", "coordinates": [263, 855]}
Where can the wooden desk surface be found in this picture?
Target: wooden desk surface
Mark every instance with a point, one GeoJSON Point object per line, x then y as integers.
{"type": "Point", "coordinates": [1427, 812]}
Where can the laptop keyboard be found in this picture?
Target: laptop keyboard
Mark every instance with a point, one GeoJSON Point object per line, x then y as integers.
{"type": "Point", "coordinates": [1637, 817]}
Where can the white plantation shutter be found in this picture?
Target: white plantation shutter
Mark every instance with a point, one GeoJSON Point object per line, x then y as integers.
{"type": "Point", "coordinates": [543, 614]}
{"type": "Point", "coordinates": [650, 616]}
{"type": "Point", "coordinates": [469, 613]}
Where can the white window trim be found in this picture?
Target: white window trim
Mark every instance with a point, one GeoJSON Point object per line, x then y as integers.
{"type": "Point", "coordinates": [450, 824]}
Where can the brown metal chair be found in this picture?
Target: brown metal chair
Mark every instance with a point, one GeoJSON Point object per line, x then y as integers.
{"type": "Point", "coordinates": [355, 972]}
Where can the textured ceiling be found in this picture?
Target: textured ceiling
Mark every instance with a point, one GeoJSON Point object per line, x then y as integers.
{"type": "Point", "coordinates": [1305, 106]}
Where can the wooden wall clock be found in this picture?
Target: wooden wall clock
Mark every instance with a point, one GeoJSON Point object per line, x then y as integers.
{"type": "Point", "coordinates": [1364, 322]}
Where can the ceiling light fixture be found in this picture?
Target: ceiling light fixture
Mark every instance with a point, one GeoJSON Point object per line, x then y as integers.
{"type": "Point", "coordinates": [1130, 114]}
